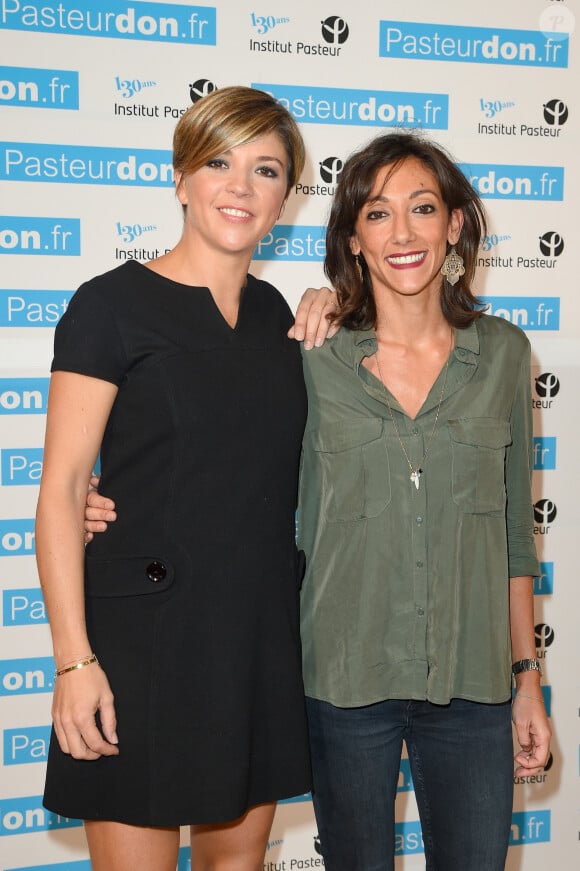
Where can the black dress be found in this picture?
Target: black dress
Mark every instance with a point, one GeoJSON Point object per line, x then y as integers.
{"type": "Point", "coordinates": [192, 595]}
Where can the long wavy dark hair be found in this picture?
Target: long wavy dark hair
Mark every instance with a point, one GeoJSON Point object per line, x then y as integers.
{"type": "Point", "coordinates": [357, 303]}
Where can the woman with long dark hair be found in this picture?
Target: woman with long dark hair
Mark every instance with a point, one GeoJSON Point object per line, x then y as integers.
{"type": "Point", "coordinates": [416, 521]}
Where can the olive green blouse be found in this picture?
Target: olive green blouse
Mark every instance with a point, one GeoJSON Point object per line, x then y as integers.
{"type": "Point", "coordinates": [406, 590]}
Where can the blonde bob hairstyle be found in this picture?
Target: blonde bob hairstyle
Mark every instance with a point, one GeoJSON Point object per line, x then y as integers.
{"type": "Point", "coordinates": [234, 116]}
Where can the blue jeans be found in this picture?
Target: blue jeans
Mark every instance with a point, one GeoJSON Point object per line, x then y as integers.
{"type": "Point", "coordinates": [461, 759]}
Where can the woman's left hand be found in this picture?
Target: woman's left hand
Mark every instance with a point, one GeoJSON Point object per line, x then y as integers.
{"type": "Point", "coordinates": [312, 324]}
{"type": "Point", "coordinates": [99, 510]}
{"type": "Point", "coordinates": [533, 734]}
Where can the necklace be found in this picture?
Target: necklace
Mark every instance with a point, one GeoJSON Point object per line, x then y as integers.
{"type": "Point", "coordinates": [416, 471]}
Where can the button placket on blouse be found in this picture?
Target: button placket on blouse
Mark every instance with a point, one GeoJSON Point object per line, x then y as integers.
{"type": "Point", "coordinates": [419, 540]}
{"type": "Point", "coordinates": [414, 435]}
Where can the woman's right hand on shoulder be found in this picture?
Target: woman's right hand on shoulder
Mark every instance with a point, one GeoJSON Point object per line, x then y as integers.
{"type": "Point", "coordinates": [99, 510]}
{"type": "Point", "coordinates": [78, 696]}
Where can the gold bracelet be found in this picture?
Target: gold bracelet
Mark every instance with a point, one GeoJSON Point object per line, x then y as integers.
{"type": "Point", "coordinates": [533, 698]}
{"type": "Point", "coordinates": [80, 663]}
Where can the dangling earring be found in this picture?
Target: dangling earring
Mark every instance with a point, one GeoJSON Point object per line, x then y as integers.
{"type": "Point", "coordinates": [359, 268]}
{"type": "Point", "coordinates": [453, 267]}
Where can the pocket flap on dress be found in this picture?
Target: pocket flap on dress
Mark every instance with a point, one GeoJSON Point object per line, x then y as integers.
{"type": "Point", "coordinates": [485, 432]}
{"type": "Point", "coordinates": [127, 576]}
{"type": "Point", "coordinates": [348, 435]}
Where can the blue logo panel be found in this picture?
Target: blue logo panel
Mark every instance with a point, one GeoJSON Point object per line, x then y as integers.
{"type": "Point", "coordinates": [296, 799]}
{"type": "Point", "coordinates": [544, 452]}
{"type": "Point", "coordinates": [514, 182]}
{"type": "Point", "coordinates": [29, 744]}
{"type": "Point", "coordinates": [526, 312]}
{"type": "Point", "coordinates": [419, 41]}
{"type": "Point", "coordinates": [48, 236]}
{"type": "Point", "coordinates": [85, 164]}
{"type": "Point", "coordinates": [81, 865]}
{"type": "Point", "coordinates": [153, 22]}
{"type": "Point", "coordinates": [23, 816]}
{"type": "Point", "coordinates": [361, 108]}
{"type": "Point", "coordinates": [530, 827]}
{"type": "Point", "coordinates": [23, 607]}
{"type": "Point", "coordinates": [17, 537]}
{"type": "Point", "coordinates": [39, 88]}
{"type": "Point", "coordinates": [408, 838]}
{"type": "Point", "coordinates": [292, 242]}
{"type": "Point", "coordinates": [23, 395]}
{"type": "Point", "coordinates": [544, 583]}
{"type": "Point", "coordinates": [33, 308]}
{"type": "Point", "coordinates": [22, 677]}
{"type": "Point", "coordinates": [527, 827]}
{"type": "Point", "coordinates": [405, 783]}
{"type": "Point", "coordinates": [547, 696]}
{"type": "Point", "coordinates": [20, 466]}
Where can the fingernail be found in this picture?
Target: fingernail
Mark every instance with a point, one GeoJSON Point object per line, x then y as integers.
{"type": "Point", "coordinates": [319, 343]}
{"type": "Point", "coordinates": [308, 344]}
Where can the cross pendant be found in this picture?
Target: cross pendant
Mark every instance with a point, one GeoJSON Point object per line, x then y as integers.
{"type": "Point", "coordinates": [415, 476]}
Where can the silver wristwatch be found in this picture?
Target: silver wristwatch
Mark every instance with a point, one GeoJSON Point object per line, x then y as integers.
{"type": "Point", "coordinates": [526, 665]}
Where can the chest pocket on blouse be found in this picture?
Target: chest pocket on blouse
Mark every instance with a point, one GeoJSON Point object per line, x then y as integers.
{"type": "Point", "coordinates": [355, 470]}
{"type": "Point", "coordinates": [478, 448]}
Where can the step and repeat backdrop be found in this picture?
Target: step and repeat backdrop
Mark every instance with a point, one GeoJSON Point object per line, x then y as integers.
{"type": "Point", "coordinates": [89, 95]}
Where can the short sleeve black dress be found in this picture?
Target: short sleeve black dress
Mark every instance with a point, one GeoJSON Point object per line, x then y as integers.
{"type": "Point", "coordinates": [192, 595]}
